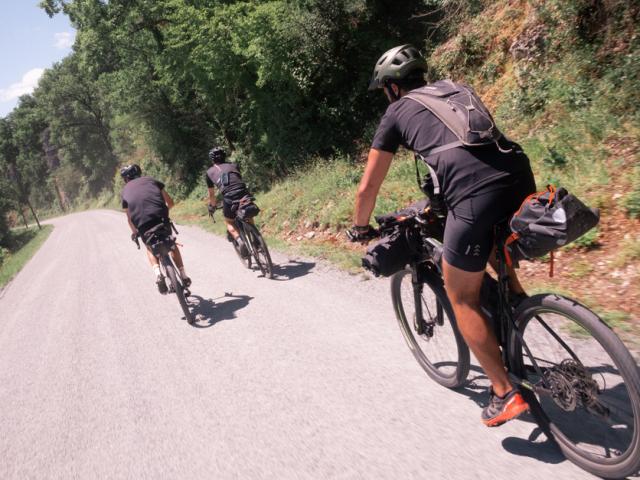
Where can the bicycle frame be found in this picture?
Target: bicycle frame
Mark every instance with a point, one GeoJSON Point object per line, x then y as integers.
{"type": "Point", "coordinates": [505, 319]}
{"type": "Point", "coordinates": [508, 326]}
{"type": "Point", "coordinates": [240, 227]}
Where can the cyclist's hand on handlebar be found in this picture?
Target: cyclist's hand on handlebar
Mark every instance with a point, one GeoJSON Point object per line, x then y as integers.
{"type": "Point", "coordinates": [362, 234]}
{"type": "Point", "coordinates": [134, 236]}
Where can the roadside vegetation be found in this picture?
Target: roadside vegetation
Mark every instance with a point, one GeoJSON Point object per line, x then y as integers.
{"type": "Point", "coordinates": [22, 244]}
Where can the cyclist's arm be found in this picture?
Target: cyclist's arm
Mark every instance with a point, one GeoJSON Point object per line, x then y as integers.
{"type": "Point", "coordinates": [378, 164]}
{"type": "Point", "coordinates": [167, 199]}
{"type": "Point", "coordinates": [131, 225]}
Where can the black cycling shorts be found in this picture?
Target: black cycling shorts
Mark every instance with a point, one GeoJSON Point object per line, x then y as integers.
{"type": "Point", "coordinates": [469, 231]}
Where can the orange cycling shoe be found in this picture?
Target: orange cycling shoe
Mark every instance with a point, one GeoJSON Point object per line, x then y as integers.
{"type": "Point", "coordinates": [502, 409]}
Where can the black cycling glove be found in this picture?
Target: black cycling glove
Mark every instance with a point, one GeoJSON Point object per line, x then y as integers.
{"type": "Point", "coordinates": [362, 234]}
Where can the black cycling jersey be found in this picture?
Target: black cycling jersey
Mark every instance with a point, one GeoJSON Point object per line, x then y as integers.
{"type": "Point", "coordinates": [481, 185]}
{"type": "Point", "coordinates": [143, 198]}
{"type": "Point", "coordinates": [461, 172]}
{"type": "Point", "coordinates": [226, 178]}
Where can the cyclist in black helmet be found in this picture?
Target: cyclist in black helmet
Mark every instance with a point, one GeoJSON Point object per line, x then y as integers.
{"type": "Point", "coordinates": [147, 204]}
{"type": "Point", "coordinates": [480, 186]}
{"type": "Point", "coordinates": [227, 179]}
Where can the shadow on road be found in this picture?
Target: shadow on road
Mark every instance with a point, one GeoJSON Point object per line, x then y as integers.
{"type": "Point", "coordinates": [477, 389]}
{"type": "Point", "coordinates": [208, 312]}
{"type": "Point", "coordinates": [545, 451]}
{"type": "Point", "coordinates": [292, 269]}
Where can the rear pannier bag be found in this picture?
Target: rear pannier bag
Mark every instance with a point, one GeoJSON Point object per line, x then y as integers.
{"type": "Point", "coordinates": [247, 208]}
{"type": "Point", "coordinates": [546, 221]}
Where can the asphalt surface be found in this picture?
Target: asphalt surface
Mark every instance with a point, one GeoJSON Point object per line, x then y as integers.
{"type": "Point", "coordinates": [305, 376]}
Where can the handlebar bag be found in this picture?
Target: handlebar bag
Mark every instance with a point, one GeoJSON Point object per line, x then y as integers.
{"type": "Point", "coordinates": [388, 255]}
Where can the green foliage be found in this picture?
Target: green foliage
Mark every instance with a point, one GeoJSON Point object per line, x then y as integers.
{"type": "Point", "coordinates": [22, 245]}
{"type": "Point", "coordinates": [632, 199]}
{"type": "Point", "coordinates": [587, 241]}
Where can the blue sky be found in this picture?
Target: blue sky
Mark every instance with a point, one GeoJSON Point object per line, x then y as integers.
{"type": "Point", "coordinates": [31, 42]}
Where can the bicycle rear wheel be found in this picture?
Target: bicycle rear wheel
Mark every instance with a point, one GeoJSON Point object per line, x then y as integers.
{"type": "Point", "coordinates": [260, 250]}
{"type": "Point", "coordinates": [434, 338]}
{"type": "Point", "coordinates": [178, 288]}
{"type": "Point", "coordinates": [587, 387]}
{"type": "Point", "coordinates": [246, 260]}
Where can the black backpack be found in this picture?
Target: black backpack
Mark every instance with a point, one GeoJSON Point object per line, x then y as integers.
{"type": "Point", "coordinates": [458, 106]}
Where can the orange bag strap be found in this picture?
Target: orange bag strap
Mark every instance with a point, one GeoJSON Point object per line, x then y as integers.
{"type": "Point", "coordinates": [552, 193]}
{"type": "Point", "coordinates": [510, 239]}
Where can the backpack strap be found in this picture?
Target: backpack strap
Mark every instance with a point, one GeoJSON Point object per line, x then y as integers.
{"type": "Point", "coordinates": [443, 148]}
{"type": "Point", "coordinates": [434, 177]}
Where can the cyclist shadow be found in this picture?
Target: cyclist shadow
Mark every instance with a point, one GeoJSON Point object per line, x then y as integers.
{"type": "Point", "coordinates": [292, 269]}
{"type": "Point", "coordinates": [208, 312]}
{"type": "Point", "coordinates": [477, 389]}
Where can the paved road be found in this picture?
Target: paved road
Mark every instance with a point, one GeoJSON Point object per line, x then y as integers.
{"type": "Point", "coordinates": [305, 377]}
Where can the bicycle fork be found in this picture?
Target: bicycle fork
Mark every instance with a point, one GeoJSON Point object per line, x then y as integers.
{"type": "Point", "coordinates": [420, 325]}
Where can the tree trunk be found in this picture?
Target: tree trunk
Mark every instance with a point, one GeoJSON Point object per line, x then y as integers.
{"type": "Point", "coordinates": [34, 214]}
{"type": "Point", "coordinates": [225, 133]}
{"type": "Point", "coordinates": [24, 219]}
{"type": "Point", "coordinates": [59, 194]}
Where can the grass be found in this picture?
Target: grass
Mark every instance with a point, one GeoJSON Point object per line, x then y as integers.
{"type": "Point", "coordinates": [629, 252]}
{"type": "Point", "coordinates": [581, 268]}
{"type": "Point", "coordinates": [23, 244]}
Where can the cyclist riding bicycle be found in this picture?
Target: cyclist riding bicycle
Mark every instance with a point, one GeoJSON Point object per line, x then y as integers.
{"type": "Point", "coordinates": [480, 186]}
{"type": "Point", "coordinates": [147, 205]}
{"type": "Point", "coordinates": [227, 179]}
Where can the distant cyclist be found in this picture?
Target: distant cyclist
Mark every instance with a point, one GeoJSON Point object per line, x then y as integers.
{"type": "Point", "coordinates": [227, 179]}
{"type": "Point", "coordinates": [147, 205]}
{"type": "Point", "coordinates": [481, 186]}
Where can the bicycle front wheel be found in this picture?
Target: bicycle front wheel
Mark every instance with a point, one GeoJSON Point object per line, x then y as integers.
{"type": "Point", "coordinates": [428, 324]}
{"type": "Point", "coordinates": [585, 384]}
{"type": "Point", "coordinates": [260, 250]}
{"type": "Point", "coordinates": [178, 288]}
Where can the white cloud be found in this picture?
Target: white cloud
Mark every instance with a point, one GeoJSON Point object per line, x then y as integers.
{"type": "Point", "coordinates": [64, 40]}
{"type": "Point", "coordinates": [26, 85]}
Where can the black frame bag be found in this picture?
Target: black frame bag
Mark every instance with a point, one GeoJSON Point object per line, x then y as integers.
{"type": "Point", "coordinates": [546, 221]}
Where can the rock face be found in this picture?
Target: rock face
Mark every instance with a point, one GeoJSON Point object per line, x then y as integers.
{"type": "Point", "coordinates": [530, 44]}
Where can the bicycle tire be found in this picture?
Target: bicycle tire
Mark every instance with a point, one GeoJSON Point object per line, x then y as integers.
{"type": "Point", "coordinates": [260, 250]}
{"type": "Point", "coordinates": [447, 333]}
{"type": "Point", "coordinates": [561, 426]}
{"type": "Point", "coordinates": [246, 261]}
{"type": "Point", "coordinates": [178, 289]}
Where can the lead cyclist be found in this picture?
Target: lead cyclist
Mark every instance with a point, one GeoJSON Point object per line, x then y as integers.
{"type": "Point", "coordinates": [481, 186]}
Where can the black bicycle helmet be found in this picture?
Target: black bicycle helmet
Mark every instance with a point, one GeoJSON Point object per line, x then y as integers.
{"type": "Point", "coordinates": [217, 155]}
{"type": "Point", "coordinates": [397, 64]}
{"type": "Point", "coordinates": [130, 172]}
